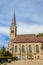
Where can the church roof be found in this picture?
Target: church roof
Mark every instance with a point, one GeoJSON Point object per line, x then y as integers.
{"type": "Point", "coordinates": [40, 38]}
{"type": "Point", "coordinates": [26, 38]}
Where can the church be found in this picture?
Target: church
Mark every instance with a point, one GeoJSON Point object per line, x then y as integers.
{"type": "Point", "coordinates": [24, 46]}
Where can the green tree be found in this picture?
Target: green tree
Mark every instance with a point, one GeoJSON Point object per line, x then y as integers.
{"type": "Point", "coordinates": [2, 51]}
{"type": "Point", "coordinates": [40, 34]}
{"type": "Point", "coordinates": [7, 53]}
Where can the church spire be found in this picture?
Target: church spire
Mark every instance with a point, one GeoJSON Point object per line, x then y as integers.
{"type": "Point", "coordinates": [14, 19]}
{"type": "Point", "coordinates": [13, 28]}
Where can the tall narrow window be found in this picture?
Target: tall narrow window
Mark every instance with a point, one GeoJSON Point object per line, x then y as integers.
{"type": "Point", "coordinates": [23, 48]}
{"type": "Point", "coordinates": [16, 48]}
{"type": "Point", "coordinates": [37, 48]}
{"type": "Point", "coordinates": [30, 48]}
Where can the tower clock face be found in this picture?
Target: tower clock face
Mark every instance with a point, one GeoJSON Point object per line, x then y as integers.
{"type": "Point", "coordinates": [12, 31]}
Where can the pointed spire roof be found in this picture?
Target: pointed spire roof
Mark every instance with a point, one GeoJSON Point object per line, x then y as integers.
{"type": "Point", "coordinates": [14, 19]}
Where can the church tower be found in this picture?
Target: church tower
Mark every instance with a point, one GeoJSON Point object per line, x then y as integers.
{"type": "Point", "coordinates": [13, 29]}
{"type": "Point", "coordinates": [13, 33]}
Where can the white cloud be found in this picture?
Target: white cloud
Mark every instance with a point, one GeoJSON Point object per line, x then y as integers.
{"type": "Point", "coordinates": [4, 30]}
{"type": "Point", "coordinates": [23, 28]}
{"type": "Point", "coordinates": [29, 29]}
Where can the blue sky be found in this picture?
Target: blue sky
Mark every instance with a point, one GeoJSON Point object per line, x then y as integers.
{"type": "Point", "coordinates": [29, 17]}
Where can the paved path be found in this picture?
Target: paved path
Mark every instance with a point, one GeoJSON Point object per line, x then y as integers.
{"type": "Point", "coordinates": [26, 62]}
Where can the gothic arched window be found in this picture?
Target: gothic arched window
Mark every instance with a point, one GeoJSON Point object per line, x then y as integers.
{"type": "Point", "coordinates": [23, 48]}
{"type": "Point", "coordinates": [16, 48]}
{"type": "Point", "coordinates": [37, 48]}
{"type": "Point", "coordinates": [30, 48]}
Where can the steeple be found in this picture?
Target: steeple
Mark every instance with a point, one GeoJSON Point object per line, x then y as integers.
{"type": "Point", "coordinates": [13, 28]}
{"type": "Point", "coordinates": [13, 32]}
{"type": "Point", "coordinates": [14, 20]}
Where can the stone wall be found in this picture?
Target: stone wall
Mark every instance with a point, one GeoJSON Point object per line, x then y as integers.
{"type": "Point", "coordinates": [26, 45]}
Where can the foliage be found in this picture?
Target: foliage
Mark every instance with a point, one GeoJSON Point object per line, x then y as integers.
{"type": "Point", "coordinates": [7, 53]}
{"type": "Point", "coordinates": [40, 34]}
{"type": "Point", "coordinates": [3, 52]}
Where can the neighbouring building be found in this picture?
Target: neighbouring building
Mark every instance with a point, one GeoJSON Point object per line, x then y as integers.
{"type": "Point", "coordinates": [24, 46]}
